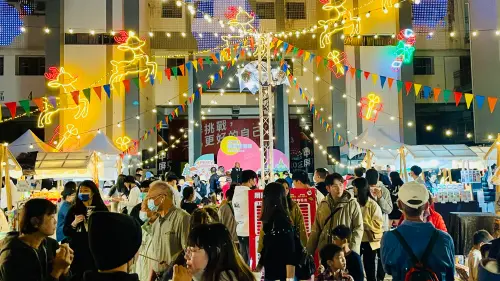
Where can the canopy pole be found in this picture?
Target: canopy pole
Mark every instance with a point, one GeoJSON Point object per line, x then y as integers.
{"type": "Point", "coordinates": [402, 156]}
{"type": "Point", "coordinates": [8, 190]}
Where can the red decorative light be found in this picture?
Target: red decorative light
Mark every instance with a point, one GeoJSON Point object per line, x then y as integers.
{"type": "Point", "coordinates": [370, 107]}
{"type": "Point", "coordinates": [52, 74]}
{"type": "Point", "coordinates": [231, 12]}
{"type": "Point", "coordinates": [121, 37]}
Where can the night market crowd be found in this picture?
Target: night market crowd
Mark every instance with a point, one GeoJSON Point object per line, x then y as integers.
{"type": "Point", "coordinates": [368, 226]}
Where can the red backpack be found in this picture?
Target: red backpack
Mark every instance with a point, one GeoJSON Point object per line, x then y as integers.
{"type": "Point", "coordinates": [419, 270]}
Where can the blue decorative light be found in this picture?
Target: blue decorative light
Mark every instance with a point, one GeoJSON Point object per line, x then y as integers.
{"type": "Point", "coordinates": [216, 9]}
{"type": "Point", "coordinates": [10, 23]}
{"type": "Point", "coordinates": [429, 14]}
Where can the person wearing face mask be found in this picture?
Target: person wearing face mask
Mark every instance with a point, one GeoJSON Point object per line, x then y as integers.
{"type": "Point", "coordinates": [208, 245]}
{"type": "Point", "coordinates": [169, 232]}
{"type": "Point", "coordinates": [339, 207]}
{"type": "Point", "coordinates": [130, 200]}
{"type": "Point", "coordinates": [113, 264]}
{"type": "Point", "coordinates": [76, 226]}
{"type": "Point", "coordinates": [240, 207]}
{"type": "Point", "coordinates": [143, 263]}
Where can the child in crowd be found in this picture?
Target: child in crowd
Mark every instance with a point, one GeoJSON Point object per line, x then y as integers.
{"type": "Point", "coordinates": [481, 237]}
{"type": "Point", "coordinates": [341, 236]}
{"type": "Point", "coordinates": [334, 263]}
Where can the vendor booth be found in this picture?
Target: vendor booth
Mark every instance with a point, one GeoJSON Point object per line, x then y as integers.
{"type": "Point", "coordinates": [29, 142]}
{"type": "Point", "coordinates": [68, 165]}
{"type": "Point", "coordinates": [109, 156]}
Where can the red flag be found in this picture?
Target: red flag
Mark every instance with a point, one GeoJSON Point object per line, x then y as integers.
{"type": "Point", "coordinates": [12, 106]}
{"type": "Point", "coordinates": [76, 96]}
{"type": "Point", "coordinates": [458, 97]}
{"type": "Point", "coordinates": [301, 52]}
{"type": "Point", "coordinates": [126, 83]}
{"type": "Point", "coordinates": [200, 63]}
{"type": "Point", "coordinates": [367, 74]}
{"type": "Point", "coordinates": [168, 73]}
{"type": "Point", "coordinates": [390, 81]}
{"type": "Point", "coordinates": [408, 87]}
{"type": "Point", "coordinates": [437, 92]}
{"type": "Point", "coordinates": [39, 103]}
{"type": "Point", "coordinates": [209, 83]}
{"type": "Point", "coordinates": [252, 43]}
{"type": "Point", "coordinates": [492, 101]}
{"type": "Point", "coordinates": [97, 91]}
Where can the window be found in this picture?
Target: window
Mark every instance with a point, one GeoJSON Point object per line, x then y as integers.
{"type": "Point", "coordinates": [204, 7]}
{"type": "Point", "coordinates": [296, 11]}
{"type": "Point", "coordinates": [1, 66]}
{"type": "Point", "coordinates": [265, 10]}
{"type": "Point", "coordinates": [88, 39]}
{"type": "Point", "coordinates": [171, 11]}
{"type": "Point", "coordinates": [175, 62]}
{"type": "Point", "coordinates": [423, 66]}
{"type": "Point", "coordinates": [30, 66]}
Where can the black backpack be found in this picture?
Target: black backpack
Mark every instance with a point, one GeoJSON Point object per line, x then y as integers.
{"type": "Point", "coordinates": [419, 270]}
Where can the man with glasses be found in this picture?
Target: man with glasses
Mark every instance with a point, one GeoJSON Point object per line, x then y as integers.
{"type": "Point", "coordinates": [338, 208]}
{"type": "Point", "coordinates": [169, 232]}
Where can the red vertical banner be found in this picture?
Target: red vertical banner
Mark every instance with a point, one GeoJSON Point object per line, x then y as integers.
{"type": "Point", "coordinates": [305, 198]}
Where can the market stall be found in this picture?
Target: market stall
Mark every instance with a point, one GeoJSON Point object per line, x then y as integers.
{"type": "Point", "coordinates": [67, 165]}
{"type": "Point", "coordinates": [29, 142]}
{"type": "Point", "coordinates": [109, 156]}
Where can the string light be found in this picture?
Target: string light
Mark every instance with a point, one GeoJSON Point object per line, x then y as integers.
{"type": "Point", "coordinates": [410, 124]}
{"type": "Point", "coordinates": [490, 137]}
{"type": "Point", "coordinates": [46, 30]}
{"type": "Point", "coordinates": [368, 14]}
{"type": "Point", "coordinates": [70, 31]}
{"type": "Point", "coordinates": [452, 34]}
{"type": "Point", "coordinates": [92, 32]}
{"type": "Point", "coordinates": [469, 135]}
{"type": "Point", "coordinates": [428, 128]}
{"type": "Point", "coordinates": [448, 132]}
{"type": "Point", "coordinates": [23, 29]}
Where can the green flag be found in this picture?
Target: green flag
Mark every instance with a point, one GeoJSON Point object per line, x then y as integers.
{"type": "Point", "coordinates": [86, 93]}
{"type": "Point", "coordinates": [136, 81]}
{"type": "Point", "coordinates": [174, 70]}
{"type": "Point", "coordinates": [25, 104]}
{"type": "Point", "coordinates": [400, 85]}
{"type": "Point", "coordinates": [446, 95]}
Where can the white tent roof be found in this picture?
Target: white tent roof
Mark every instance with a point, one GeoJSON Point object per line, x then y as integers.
{"type": "Point", "coordinates": [377, 141]}
{"type": "Point", "coordinates": [63, 165]}
{"type": "Point", "coordinates": [22, 144]}
{"type": "Point", "coordinates": [101, 143]}
{"type": "Point", "coordinates": [481, 152]}
{"type": "Point", "coordinates": [442, 152]}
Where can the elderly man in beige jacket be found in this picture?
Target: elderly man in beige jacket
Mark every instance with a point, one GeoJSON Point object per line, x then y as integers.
{"type": "Point", "coordinates": [339, 207]}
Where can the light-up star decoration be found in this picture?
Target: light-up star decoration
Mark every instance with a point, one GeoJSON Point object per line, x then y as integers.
{"type": "Point", "coordinates": [371, 105]}
{"type": "Point", "coordinates": [138, 65]}
{"type": "Point", "coordinates": [59, 78]}
{"type": "Point", "coordinates": [404, 50]}
{"type": "Point", "coordinates": [248, 77]}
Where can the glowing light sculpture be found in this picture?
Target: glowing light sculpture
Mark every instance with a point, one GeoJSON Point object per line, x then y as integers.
{"type": "Point", "coordinates": [123, 142]}
{"type": "Point", "coordinates": [370, 107]}
{"type": "Point", "coordinates": [138, 65]}
{"type": "Point", "coordinates": [59, 78]}
{"type": "Point", "coordinates": [405, 49]}
{"type": "Point", "coordinates": [45, 117]}
{"type": "Point", "coordinates": [71, 131]}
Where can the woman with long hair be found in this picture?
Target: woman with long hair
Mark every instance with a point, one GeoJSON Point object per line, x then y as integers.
{"type": "Point", "coordinates": [116, 192]}
{"type": "Point", "coordinates": [88, 200]}
{"type": "Point", "coordinates": [295, 213]}
{"type": "Point", "coordinates": [278, 255]}
{"type": "Point", "coordinates": [373, 226]}
{"type": "Point", "coordinates": [212, 256]}
{"type": "Point", "coordinates": [396, 183]}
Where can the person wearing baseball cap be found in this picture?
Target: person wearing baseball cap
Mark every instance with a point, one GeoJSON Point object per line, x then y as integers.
{"type": "Point", "coordinates": [114, 241]}
{"type": "Point", "coordinates": [419, 237]}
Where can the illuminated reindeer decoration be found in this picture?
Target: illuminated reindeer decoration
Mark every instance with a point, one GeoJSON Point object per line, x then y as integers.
{"type": "Point", "coordinates": [59, 78]}
{"type": "Point", "coordinates": [332, 26]}
{"type": "Point", "coordinates": [139, 64]}
{"type": "Point", "coordinates": [243, 22]}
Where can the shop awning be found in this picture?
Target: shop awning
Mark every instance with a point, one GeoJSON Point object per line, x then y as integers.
{"type": "Point", "coordinates": [23, 144]}
{"type": "Point", "coordinates": [442, 152]}
{"type": "Point", "coordinates": [64, 165]}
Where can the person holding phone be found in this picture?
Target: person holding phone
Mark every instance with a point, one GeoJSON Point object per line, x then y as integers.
{"type": "Point", "coordinates": [88, 200]}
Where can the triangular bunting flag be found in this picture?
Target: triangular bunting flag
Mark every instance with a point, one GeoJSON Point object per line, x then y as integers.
{"type": "Point", "coordinates": [117, 88]}
{"type": "Point", "coordinates": [25, 104]}
{"type": "Point", "coordinates": [417, 89]}
{"type": "Point", "coordinates": [188, 66]}
{"type": "Point", "coordinates": [53, 101]}
{"type": "Point", "coordinates": [76, 96]}
{"type": "Point", "coordinates": [285, 45]}
{"type": "Point", "coordinates": [168, 73]}
{"type": "Point", "coordinates": [209, 83]}
{"type": "Point", "coordinates": [353, 72]}
{"type": "Point", "coordinates": [427, 92]}
{"type": "Point", "coordinates": [390, 81]}
{"type": "Point", "coordinates": [220, 74]}
{"type": "Point", "coordinates": [159, 76]}
{"type": "Point", "coordinates": [208, 60]}
{"type": "Point", "coordinates": [86, 93]}
{"type": "Point", "coordinates": [468, 99]}
{"type": "Point", "coordinates": [492, 101]}
{"type": "Point", "coordinates": [358, 73]}
{"type": "Point", "coordinates": [295, 51]}
{"type": "Point", "coordinates": [399, 83]}
{"type": "Point", "coordinates": [152, 79]}
{"type": "Point", "coordinates": [367, 74]}
{"type": "Point", "coordinates": [200, 63]}
{"type": "Point", "coordinates": [136, 82]}
{"type": "Point", "coordinates": [181, 67]}
{"type": "Point", "coordinates": [374, 78]}
{"type": "Point", "coordinates": [174, 71]}
{"type": "Point", "coordinates": [126, 84]}
{"type": "Point", "coordinates": [39, 103]}
{"type": "Point", "coordinates": [458, 97]}
{"type": "Point", "coordinates": [382, 81]}
{"type": "Point", "coordinates": [312, 57]}
{"type": "Point", "coordinates": [437, 91]}
{"type": "Point", "coordinates": [346, 68]}
{"type": "Point", "coordinates": [195, 65]}
{"type": "Point", "coordinates": [408, 87]}
{"type": "Point", "coordinates": [107, 89]}
{"type": "Point", "coordinates": [318, 60]}
{"type": "Point", "coordinates": [289, 49]}
{"type": "Point", "coordinates": [301, 52]}
{"type": "Point", "coordinates": [97, 91]}
{"type": "Point", "coordinates": [479, 101]}
{"type": "Point", "coordinates": [12, 106]}
{"type": "Point", "coordinates": [446, 95]}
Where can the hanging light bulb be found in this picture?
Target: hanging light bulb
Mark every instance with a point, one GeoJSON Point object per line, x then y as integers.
{"type": "Point", "coordinates": [368, 14]}
{"type": "Point", "coordinates": [31, 146]}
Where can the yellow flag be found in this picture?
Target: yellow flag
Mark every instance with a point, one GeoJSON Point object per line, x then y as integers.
{"type": "Point", "coordinates": [117, 87]}
{"type": "Point", "coordinates": [306, 56]}
{"type": "Point", "coordinates": [468, 99]}
{"type": "Point", "coordinates": [417, 88]}
{"type": "Point", "coordinates": [374, 78]}
{"type": "Point", "coordinates": [195, 64]}
{"type": "Point", "coordinates": [279, 43]}
{"type": "Point", "coordinates": [159, 76]}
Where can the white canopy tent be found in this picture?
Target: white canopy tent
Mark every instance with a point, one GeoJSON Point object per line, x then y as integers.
{"type": "Point", "coordinates": [380, 144]}
{"type": "Point", "coordinates": [67, 165]}
{"type": "Point", "coordinates": [24, 143]}
{"type": "Point", "coordinates": [109, 154]}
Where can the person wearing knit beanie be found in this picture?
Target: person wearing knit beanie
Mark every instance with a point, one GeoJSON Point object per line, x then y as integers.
{"type": "Point", "coordinates": [114, 241]}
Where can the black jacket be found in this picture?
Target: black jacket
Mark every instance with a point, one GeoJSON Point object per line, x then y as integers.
{"type": "Point", "coordinates": [214, 183]}
{"type": "Point", "coordinates": [79, 242]}
{"type": "Point", "coordinates": [115, 276]}
{"type": "Point", "coordinates": [19, 261]}
{"type": "Point", "coordinates": [321, 186]}
{"type": "Point", "coordinates": [236, 175]}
